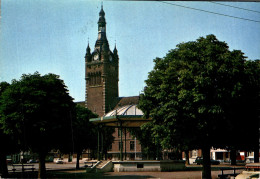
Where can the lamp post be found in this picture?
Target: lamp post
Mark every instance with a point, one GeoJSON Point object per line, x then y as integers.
{"type": "Point", "coordinates": [125, 143]}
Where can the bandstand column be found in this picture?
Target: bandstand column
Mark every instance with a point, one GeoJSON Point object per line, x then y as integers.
{"type": "Point", "coordinates": [121, 142]}
{"type": "Point", "coordinates": [125, 143]}
{"type": "Point", "coordinates": [98, 149]}
{"type": "Point", "coordinates": [102, 146]}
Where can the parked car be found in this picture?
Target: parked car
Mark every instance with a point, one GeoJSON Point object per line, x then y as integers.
{"type": "Point", "coordinates": [59, 161]}
{"type": "Point", "coordinates": [199, 161]}
{"type": "Point", "coordinates": [32, 161]}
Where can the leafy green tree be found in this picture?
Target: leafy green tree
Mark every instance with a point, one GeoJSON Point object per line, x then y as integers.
{"type": "Point", "coordinates": [246, 136]}
{"type": "Point", "coordinates": [84, 132]}
{"type": "Point", "coordinates": [106, 140]}
{"type": "Point", "coordinates": [149, 143]}
{"type": "Point", "coordinates": [242, 113]}
{"type": "Point", "coordinates": [9, 145]}
{"type": "Point", "coordinates": [3, 138]}
{"type": "Point", "coordinates": [252, 106]}
{"type": "Point", "coordinates": [188, 93]}
{"type": "Point", "coordinates": [37, 110]}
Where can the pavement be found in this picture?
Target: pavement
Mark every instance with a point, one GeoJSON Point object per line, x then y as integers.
{"type": "Point", "coordinates": [49, 166]}
{"type": "Point", "coordinates": [69, 168]}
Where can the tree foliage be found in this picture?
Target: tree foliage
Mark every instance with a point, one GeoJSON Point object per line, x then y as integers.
{"type": "Point", "coordinates": [246, 129]}
{"type": "Point", "coordinates": [37, 110]}
{"type": "Point", "coordinates": [108, 139]}
{"type": "Point", "coordinates": [148, 140]}
{"type": "Point", "coordinates": [9, 144]}
{"type": "Point", "coordinates": [192, 95]}
{"type": "Point", "coordinates": [84, 132]}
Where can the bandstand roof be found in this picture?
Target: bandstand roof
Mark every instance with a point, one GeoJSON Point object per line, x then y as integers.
{"type": "Point", "coordinates": [128, 116]}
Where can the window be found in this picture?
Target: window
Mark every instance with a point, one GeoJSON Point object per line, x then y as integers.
{"type": "Point", "coordinates": [219, 156]}
{"type": "Point", "coordinates": [132, 145]}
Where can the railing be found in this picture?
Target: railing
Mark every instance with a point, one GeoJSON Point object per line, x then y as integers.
{"type": "Point", "coordinates": [23, 167]}
{"type": "Point", "coordinates": [225, 175]}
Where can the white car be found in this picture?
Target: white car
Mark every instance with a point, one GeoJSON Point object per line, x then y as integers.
{"type": "Point", "coordinates": [59, 161]}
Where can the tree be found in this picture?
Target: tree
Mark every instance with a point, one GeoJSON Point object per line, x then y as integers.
{"type": "Point", "coordinates": [252, 106]}
{"type": "Point", "coordinates": [107, 139]}
{"type": "Point", "coordinates": [248, 136]}
{"type": "Point", "coordinates": [243, 113]}
{"type": "Point", "coordinates": [9, 144]}
{"type": "Point", "coordinates": [148, 141]}
{"type": "Point", "coordinates": [3, 137]}
{"type": "Point", "coordinates": [188, 93]}
{"type": "Point", "coordinates": [37, 110]}
{"type": "Point", "coordinates": [84, 132]}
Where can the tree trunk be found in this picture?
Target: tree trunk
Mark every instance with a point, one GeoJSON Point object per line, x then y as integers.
{"type": "Point", "coordinates": [42, 167]}
{"type": "Point", "coordinates": [105, 152]}
{"type": "Point", "coordinates": [92, 154]}
{"type": "Point", "coordinates": [187, 161]}
{"type": "Point", "coordinates": [233, 157]}
{"type": "Point", "coordinates": [206, 170]}
{"type": "Point", "coordinates": [256, 154]}
{"type": "Point", "coordinates": [3, 166]}
{"type": "Point", "coordinates": [78, 157]}
{"type": "Point", "coordinates": [69, 158]}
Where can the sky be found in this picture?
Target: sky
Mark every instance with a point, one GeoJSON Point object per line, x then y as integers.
{"type": "Point", "coordinates": [51, 36]}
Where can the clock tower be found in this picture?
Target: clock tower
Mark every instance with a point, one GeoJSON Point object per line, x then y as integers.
{"type": "Point", "coordinates": [101, 72]}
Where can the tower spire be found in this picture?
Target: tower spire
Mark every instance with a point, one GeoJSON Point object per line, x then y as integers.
{"type": "Point", "coordinates": [115, 50]}
{"type": "Point", "coordinates": [102, 39]}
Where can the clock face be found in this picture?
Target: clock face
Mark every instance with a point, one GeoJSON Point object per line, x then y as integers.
{"type": "Point", "coordinates": [96, 57]}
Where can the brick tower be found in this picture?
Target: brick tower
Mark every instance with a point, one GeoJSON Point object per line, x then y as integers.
{"type": "Point", "coordinates": [101, 73]}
